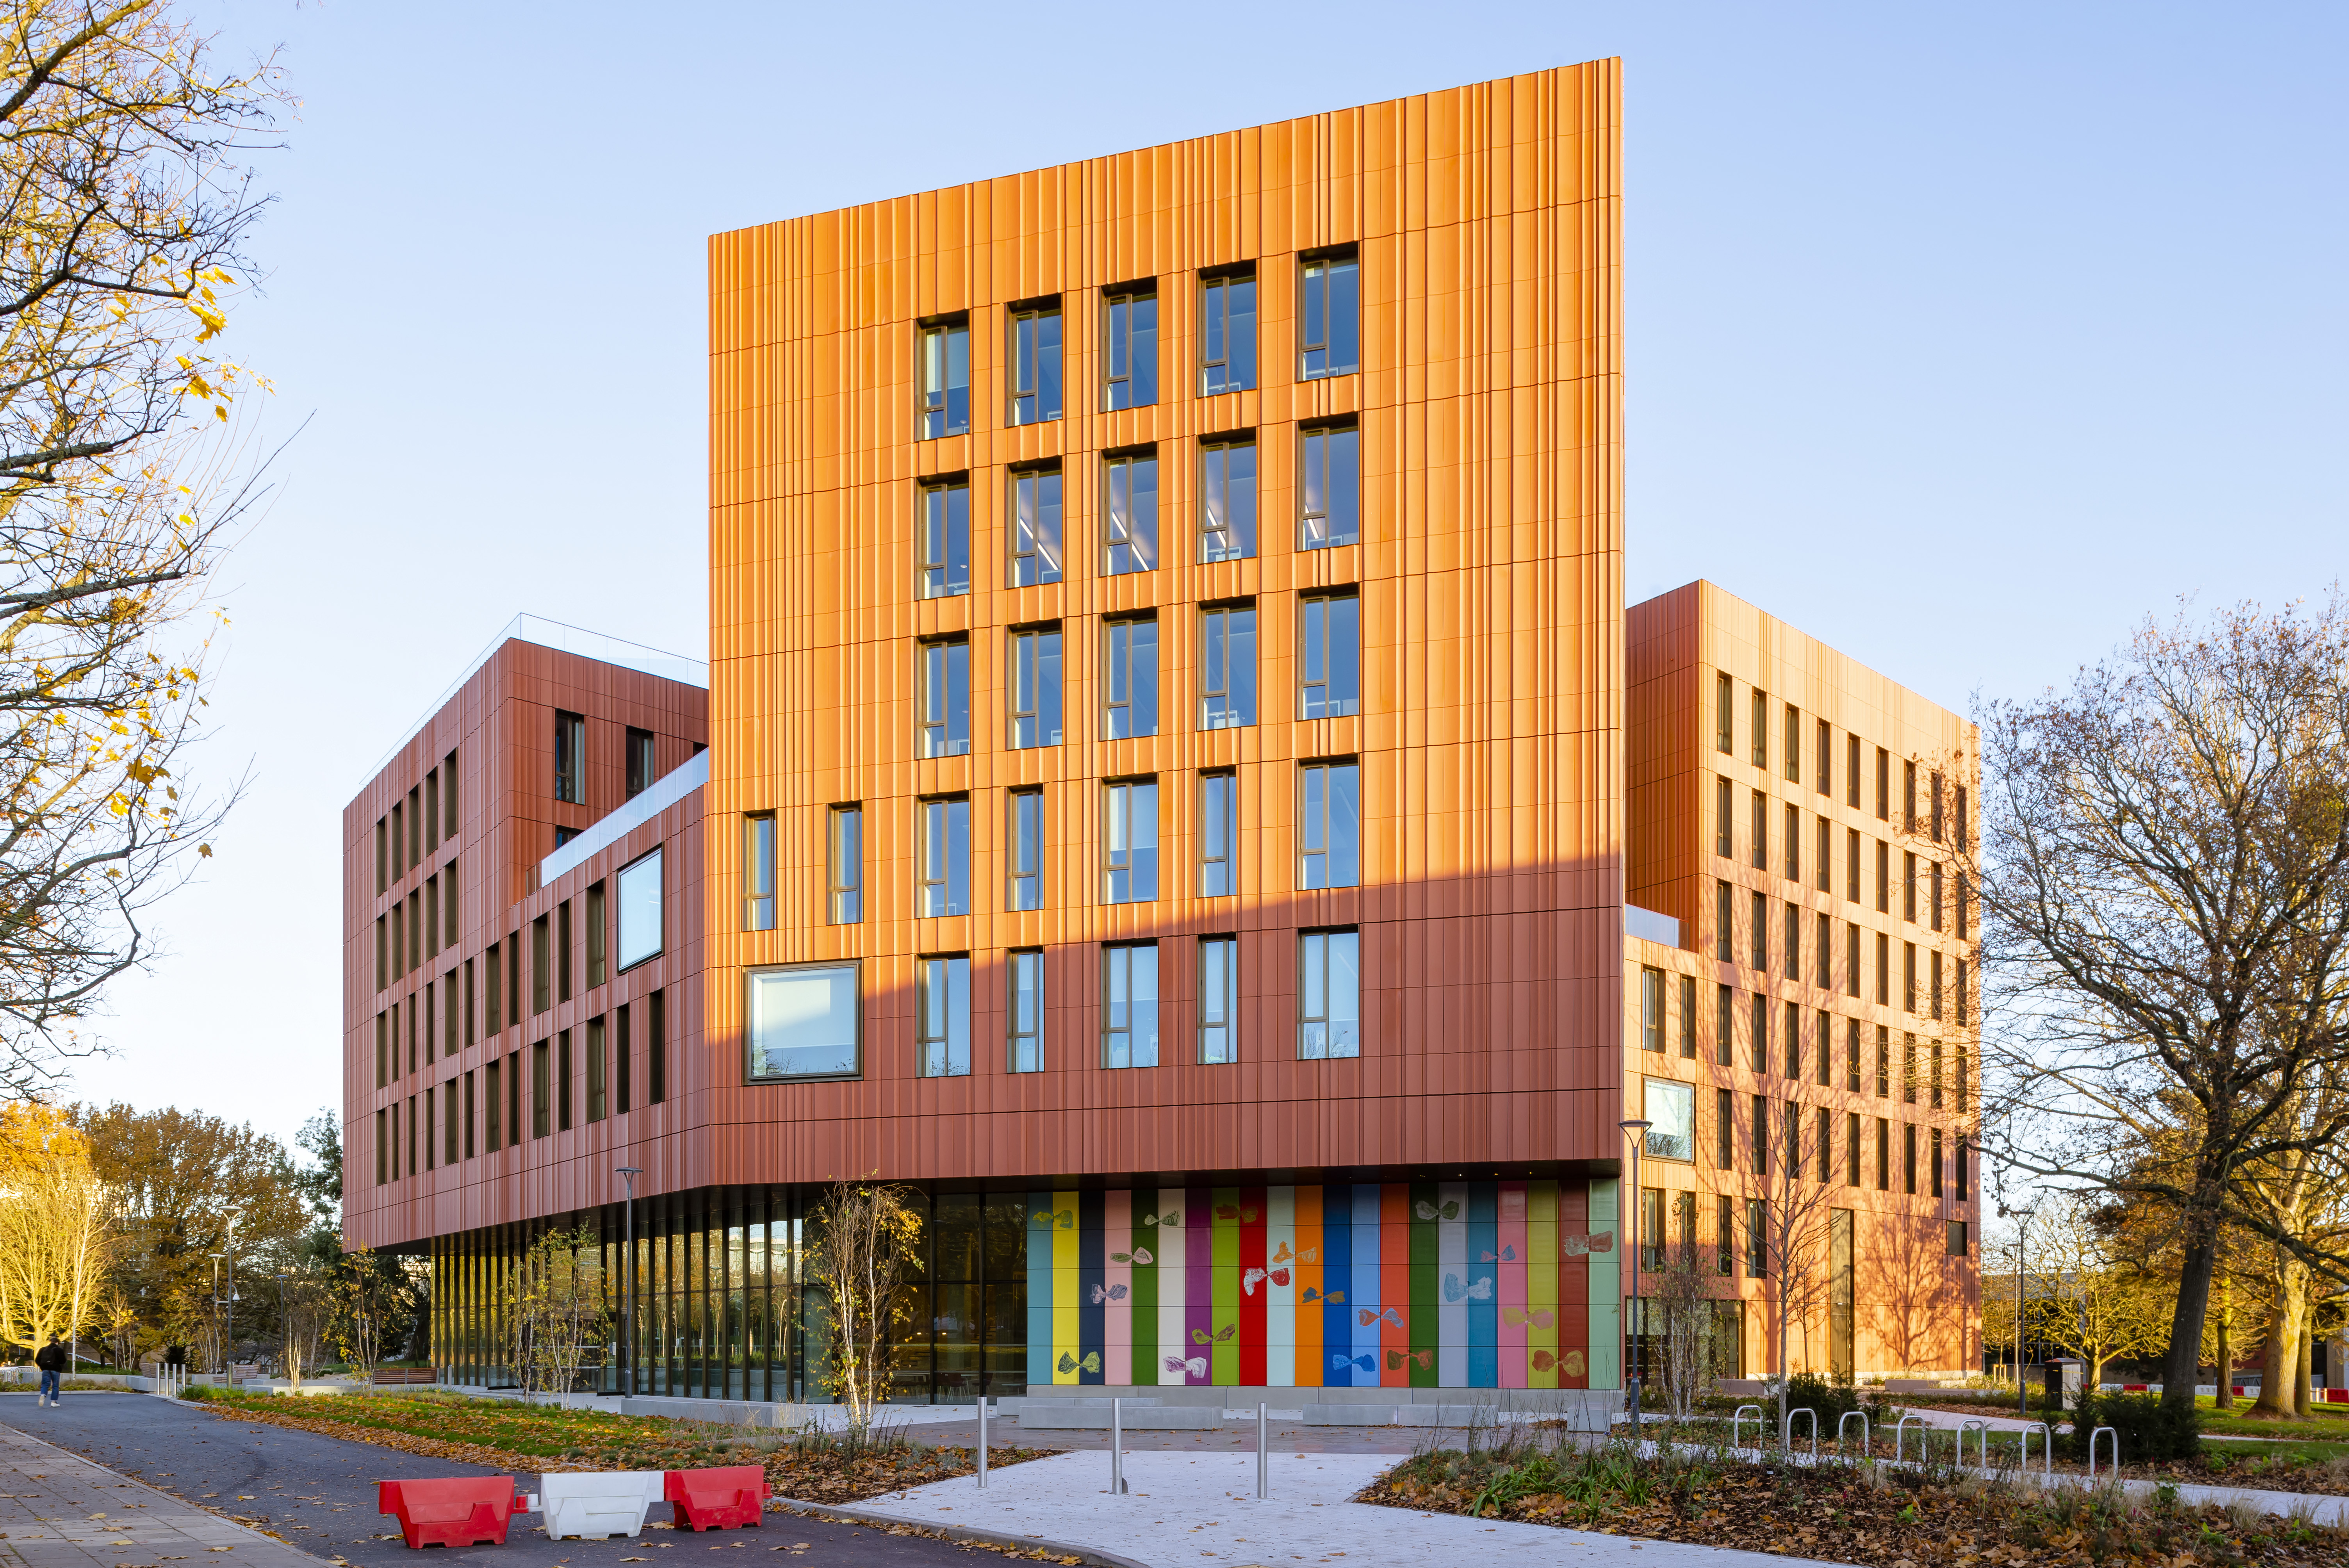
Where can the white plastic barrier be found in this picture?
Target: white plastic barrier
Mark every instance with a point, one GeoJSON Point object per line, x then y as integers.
{"type": "Point", "coordinates": [598, 1504]}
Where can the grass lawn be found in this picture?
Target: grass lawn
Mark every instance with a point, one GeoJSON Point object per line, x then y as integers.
{"type": "Point", "coordinates": [812, 1467]}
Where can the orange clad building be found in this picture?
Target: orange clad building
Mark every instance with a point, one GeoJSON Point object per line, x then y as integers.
{"type": "Point", "coordinates": [1167, 798]}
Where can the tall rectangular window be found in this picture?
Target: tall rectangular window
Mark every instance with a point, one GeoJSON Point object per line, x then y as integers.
{"type": "Point", "coordinates": [563, 946]}
{"type": "Point", "coordinates": [946, 697]}
{"type": "Point", "coordinates": [382, 859]}
{"type": "Point", "coordinates": [1883, 969]}
{"type": "Point", "coordinates": [598, 952]}
{"type": "Point", "coordinates": [1794, 843]}
{"type": "Point", "coordinates": [1725, 1130]}
{"type": "Point", "coordinates": [565, 1071]}
{"type": "Point", "coordinates": [1129, 1011]}
{"type": "Point", "coordinates": [1791, 1015]}
{"type": "Point", "coordinates": [449, 796]}
{"type": "Point", "coordinates": [1130, 532]}
{"type": "Point", "coordinates": [1226, 334]}
{"type": "Point", "coordinates": [1758, 813]}
{"type": "Point", "coordinates": [1024, 849]}
{"type": "Point", "coordinates": [1883, 1155]}
{"type": "Point", "coordinates": [1024, 1012]}
{"type": "Point", "coordinates": [1961, 994]}
{"type": "Point", "coordinates": [1933, 990]}
{"type": "Point", "coordinates": [1725, 716]}
{"type": "Point", "coordinates": [1687, 1017]}
{"type": "Point", "coordinates": [1851, 864]}
{"type": "Point", "coordinates": [1907, 887]}
{"type": "Point", "coordinates": [942, 1015]}
{"type": "Point", "coordinates": [844, 866]}
{"type": "Point", "coordinates": [1825, 781]}
{"type": "Point", "coordinates": [1130, 841]}
{"type": "Point", "coordinates": [1883, 1062]}
{"type": "Point", "coordinates": [1794, 957]}
{"type": "Point", "coordinates": [1328, 994]}
{"type": "Point", "coordinates": [1933, 898]}
{"type": "Point", "coordinates": [597, 1087]}
{"type": "Point", "coordinates": [1132, 348]}
{"type": "Point", "coordinates": [1329, 825]}
{"type": "Point", "coordinates": [945, 538]}
{"type": "Point", "coordinates": [1758, 730]}
{"type": "Point", "coordinates": [1908, 976]}
{"type": "Point", "coordinates": [1933, 1073]}
{"type": "Point", "coordinates": [1035, 527]}
{"type": "Point", "coordinates": [1651, 1009]}
{"type": "Point", "coordinates": [1228, 667]}
{"type": "Point", "coordinates": [1036, 364]}
{"type": "Point", "coordinates": [1883, 785]}
{"type": "Point", "coordinates": [1219, 835]}
{"type": "Point", "coordinates": [1761, 1056]}
{"type": "Point", "coordinates": [1724, 1024]}
{"type": "Point", "coordinates": [1909, 1157]}
{"type": "Point", "coordinates": [1824, 948]}
{"type": "Point", "coordinates": [656, 1049]}
{"type": "Point", "coordinates": [1794, 744]}
{"type": "Point", "coordinates": [1909, 1073]}
{"type": "Point", "coordinates": [1758, 925]}
{"type": "Point", "coordinates": [1724, 1232]}
{"type": "Point", "coordinates": [1035, 688]}
{"type": "Point", "coordinates": [1851, 771]}
{"type": "Point", "coordinates": [1908, 797]}
{"type": "Point", "coordinates": [1227, 500]}
{"type": "Point", "coordinates": [1329, 482]}
{"type": "Point", "coordinates": [758, 871]}
{"type": "Point", "coordinates": [1761, 1135]}
{"type": "Point", "coordinates": [432, 809]}
{"type": "Point", "coordinates": [1723, 927]}
{"type": "Point", "coordinates": [1826, 844]}
{"type": "Point", "coordinates": [1330, 655]}
{"type": "Point", "coordinates": [1724, 838]}
{"type": "Point", "coordinates": [621, 1046]}
{"type": "Point", "coordinates": [945, 380]}
{"type": "Point", "coordinates": [1851, 1147]}
{"type": "Point", "coordinates": [1329, 343]}
{"type": "Point", "coordinates": [1851, 1055]}
{"type": "Point", "coordinates": [542, 970]}
{"type": "Point", "coordinates": [493, 1125]}
{"type": "Point", "coordinates": [571, 759]}
{"type": "Point", "coordinates": [1219, 999]}
{"type": "Point", "coordinates": [1883, 877]}
{"type": "Point", "coordinates": [1793, 1142]}
{"type": "Point", "coordinates": [640, 758]}
{"type": "Point", "coordinates": [1130, 683]}
{"type": "Point", "coordinates": [945, 868]}
{"type": "Point", "coordinates": [542, 1091]}
{"type": "Point", "coordinates": [1825, 1053]}
{"type": "Point", "coordinates": [493, 1012]}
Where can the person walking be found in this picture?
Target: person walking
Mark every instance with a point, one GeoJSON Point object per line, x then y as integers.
{"type": "Point", "coordinates": [51, 1359]}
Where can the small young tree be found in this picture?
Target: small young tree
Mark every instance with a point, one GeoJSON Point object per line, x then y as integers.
{"type": "Point", "coordinates": [554, 1310]}
{"type": "Point", "coordinates": [867, 1241]}
{"type": "Point", "coordinates": [119, 1322]}
{"type": "Point", "coordinates": [1685, 1299]}
{"type": "Point", "coordinates": [1785, 1233]}
{"type": "Point", "coordinates": [362, 1305]}
{"type": "Point", "coordinates": [305, 1304]}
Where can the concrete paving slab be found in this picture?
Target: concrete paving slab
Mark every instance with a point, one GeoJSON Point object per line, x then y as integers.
{"type": "Point", "coordinates": [58, 1509]}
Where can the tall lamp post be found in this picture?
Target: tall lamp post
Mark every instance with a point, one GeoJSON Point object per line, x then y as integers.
{"type": "Point", "coordinates": [629, 1286]}
{"type": "Point", "coordinates": [285, 1323]}
{"type": "Point", "coordinates": [2022, 1218]}
{"type": "Point", "coordinates": [1637, 1132]}
{"type": "Point", "coordinates": [220, 1326]}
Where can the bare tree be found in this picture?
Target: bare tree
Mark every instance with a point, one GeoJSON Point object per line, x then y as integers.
{"type": "Point", "coordinates": [122, 210]}
{"type": "Point", "coordinates": [1686, 1299]}
{"type": "Point", "coordinates": [305, 1304]}
{"type": "Point", "coordinates": [554, 1310]}
{"type": "Point", "coordinates": [57, 1237]}
{"type": "Point", "coordinates": [2165, 881]}
{"type": "Point", "coordinates": [2096, 1305]}
{"type": "Point", "coordinates": [1785, 1228]}
{"type": "Point", "coordinates": [867, 1244]}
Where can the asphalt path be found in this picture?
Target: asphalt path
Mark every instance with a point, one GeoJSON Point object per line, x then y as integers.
{"type": "Point", "coordinates": [318, 1494]}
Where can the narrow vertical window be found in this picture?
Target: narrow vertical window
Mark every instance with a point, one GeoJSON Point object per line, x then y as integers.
{"type": "Point", "coordinates": [844, 866]}
{"type": "Point", "coordinates": [541, 1087]}
{"type": "Point", "coordinates": [1725, 811]}
{"type": "Point", "coordinates": [1883, 1062]}
{"type": "Point", "coordinates": [1883, 969]}
{"type": "Point", "coordinates": [1035, 527]}
{"type": "Point", "coordinates": [1851, 771]}
{"type": "Point", "coordinates": [1687, 1017]}
{"type": "Point", "coordinates": [1132, 348]}
{"type": "Point", "coordinates": [1228, 667]}
{"type": "Point", "coordinates": [493, 1126]}
{"type": "Point", "coordinates": [382, 857]}
{"type": "Point", "coordinates": [1024, 848]}
{"type": "Point", "coordinates": [1758, 926]}
{"type": "Point", "coordinates": [1652, 1010]}
{"type": "Point", "coordinates": [1962, 993]}
{"type": "Point", "coordinates": [1761, 1056]}
{"type": "Point", "coordinates": [1825, 1054]}
{"type": "Point", "coordinates": [1824, 948]}
{"type": "Point", "coordinates": [1024, 1012]}
{"type": "Point", "coordinates": [1827, 844]}
{"type": "Point", "coordinates": [1035, 688]}
{"type": "Point", "coordinates": [758, 871]}
{"type": "Point", "coordinates": [1330, 655]}
{"type": "Point", "coordinates": [571, 759]}
{"type": "Point", "coordinates": [383, 1143]}
{"type": "Point", "coordinates": [596, 934]}
{"type": "Point", "coordinates": [1759, 727]}
{"type": "Point", "coordinates": [1851, 1147]}
{"type": "Point", "coordinates": [1933, 900]}
{"type": "Point", "coordinates": [1964, 914]}
{"type": "Point", "coordinates": [1794, 843]}
{"type": "Point", "coordinates": [449, 903]}
{"type": "Point", "coordinates": [1761, 1135]}
{"type": "Point", "coordinates": [1129, 841]}
{"type": "Point", "coordinates": [1909, 1157]}
{"type": "Point", "coordinates": [946, 697]}
{"type": "Point", "coordinates": [656, 1050]}
{"type": "Point", "coordinates": [1907, 887]}
{"type": "Point", "coordinates": [599, 1106]}
{"type": "Point", "coordinates": [944, 539]}
{"type": "Point", "coordinates": [513, 978]}
{"type": "Point", "coordinates": [472, 1123]}
{"type": "Point", "coordinates": [564, 1074]}
{"type": "Point", "coordinates": [1851, 959]}
{"type": "Point", "coordinates": [1909, 1074]}
{"type": "Point", "coordinates": [1908, 976]}
{"type": "Point", "coordinates": [1826, 782]}
{"type": "Point", "coordinates": [1933, 1073]}
{"type": "Point", "coordinates": [1851, 1055]}
{"type": "Point", "coordinates": [493, 989]}
{"type": "Point", "coordinates": [622, 1043]}
{"type": "Point", "coordinates": [562, 944]}
{"type": "Point", "coordinates": [1227, 500]}
{"type": "Point", "coordinates": [1036, 364]}
{"type": "Point", "coordinates": [1908, 797]}
{"type": "Point", "coordinates": [945, 380]}
{"type": "Point", "coordinates": [1219, 1000]}
{"type": "Point", "coordinates": [432, 810]}
{"type": "Point", "coordinates": [1725, 716]}
{"type": "Point", "coordinates": [1794, 744]}
{"type": "Point", "coordinates": [1851, 864]}
{"type": "Point", "coordinates": [1219, 835]}
{"type": "Point", "coordinates": [1129, 535]}
{"type": "Point", "coordinates": [1724, 1024]}
{"type": "Point", "coordinates": [1883, 1155]}
{"type": "Point", "coordinates": [1794, 955]}
{"type": "Point", "coordinates": [1758, 812]}
{"type": "Point", "coordinates": [1328, 994]}
{"type": "Point", "coordinates": [1129, 1011]}
{"type": "Point", "coordinates": [944, 872]}
{"type": "Point", "coordinates": [541, 973]}
{"type": "Point", "coordinates": [1130, 679]}
{"type": "Point", "coordinates": [942, 1013]}
{"type": "Point", "coordinates": [449, 797]}
{"type": "Point", "coordinates": [1723, 927]}
{"type": "Point", "coordinates": [1883, 785]}
{"type": "Point", "coordinates": [640, 755]}
{"type": "Point", "coordinates": [432, 917]}
{"type": "Point", "coordinates": [1330, 333]}
{"type": "Point", "coordinates": [1791, 1028]}
{"type": "Point", "coordinates": [1329, 825]}
{"type": "Point", "coordinates": [1933, 987]}
{"type": "Point", "coordinates": [1724, 1229]}
{"type": "Point", "coordinates": [1883, 877]}
{"type": "Point", "coordinates": [1330, 484]}
{"type": "Point", "coordinates": [1227, 334]}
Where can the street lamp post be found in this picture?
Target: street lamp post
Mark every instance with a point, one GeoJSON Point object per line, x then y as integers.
{"type": "Point", "coordinates": [629, 1286]}
{"type": "Point", "coordinates": [2022, 1218]}
{"type": "Point", "coordinates": [285, 1323]}
{"type": "Point", "coordinates": [1637, 1132]}
{"type": "Point", "coordinates": [220, 1332]}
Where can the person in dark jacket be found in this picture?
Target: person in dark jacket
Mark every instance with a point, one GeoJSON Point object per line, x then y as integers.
{"type": "Point", "coordinates": [51, 1359]}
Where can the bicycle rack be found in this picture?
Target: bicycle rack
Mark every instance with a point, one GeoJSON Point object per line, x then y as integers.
{"type": "Point", "coordinates": [1737, 1418]}
{"type": "Point", "coordinates": [1981, 1429]}
{"type": "Point", "coordinates": [2047, 1447]}
{"type": "Point", "coordinates": [1900, 1436]}
{"type": "Point", "coordinates": [1786, 1438]}
{"type": "Point", "coordinates": [2099, 1432]}
{"type": "Point", "coordinates": [1866, 1435]}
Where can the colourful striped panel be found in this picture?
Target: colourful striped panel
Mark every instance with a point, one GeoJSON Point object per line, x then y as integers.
{"type": "Point", "coordinates": [1426, 1326]}
{"type": "Point", "coordinates": [1174, 1352]}
{"type": "Point", "coordinates": [1092, 1290]}
{"type": "Point", "coordinates": [1364, 1322]}
{"type": "Point", "coordinates": [1225, 1299]}
{"type": "Point", "coordinates": [1039, 1287]}
{"type": "Point", "coordinates": [1200, 1258]}
{"type": "Point", "coordinates": [1254, 1305]}
{"type": "Point", "coordinates": [1574, 1287]}
{"type": "Point", "coordinates": [1305, 1210]}
{"type": "Point", "coordinates": [1280, 1287]}
{"type": "Point", "coordinates": [1543, 1284]}
{"type": "Point", "coordinates": [1142, 1315]}
{"type": "Point", "coordinates": [1606, 1287]}
{"type": "Point", "coordinates": [1394, 1285]}
{"type": "Point", "coordinates": [1450, 1296]}
{"type": "Point", "coordinates": [1510, 1279]}
{"type": "Point", "coordinates": [1483, 1290]}
{"type": "Point", "coordinates": [1066, 1323]}
{"type": "Point", "coordinates": [1117, 1288]}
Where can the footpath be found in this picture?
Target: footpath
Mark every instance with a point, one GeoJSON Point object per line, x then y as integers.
{"type": "Point", "coordinates": [59, 1511]}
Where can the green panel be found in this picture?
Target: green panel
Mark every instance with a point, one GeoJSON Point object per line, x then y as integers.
{"type": "Point", "coordinates": [1606, 1287]}
{"type": "Point", "coordinates": [1426, 1324]}
{"type": "Point", "coordinates": [1142, 1312]}
{"type": "Point", "coordinates": [1225, 1298]}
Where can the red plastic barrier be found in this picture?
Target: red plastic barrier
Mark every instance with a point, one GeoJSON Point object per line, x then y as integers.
{"type": "Point", "coordinates": [725, 1497]}
{"type": "Point", "coordinates": [457, 1511]}
{"type": "Point", "coordinates": [2336, 1396]}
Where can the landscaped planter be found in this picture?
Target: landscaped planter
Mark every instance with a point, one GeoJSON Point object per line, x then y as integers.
{"type": "Point", "coordinates": [598, 1503]}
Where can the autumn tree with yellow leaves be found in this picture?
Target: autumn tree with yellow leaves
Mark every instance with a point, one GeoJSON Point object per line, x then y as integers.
{"type": "Point", "coordinates": [124, 205]}
{"type": "Point", "coordinates": [56, 1233]}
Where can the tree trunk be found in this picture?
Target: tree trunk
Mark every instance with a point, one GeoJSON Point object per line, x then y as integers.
{"type": "Point", "coordinates": [2300, 1391]}
{"type": "Point", "coordinates": [2223, 1397]}
{"type": "Point", "coordinates": [2180, 1368]}
{"type": "Point", "coordinates": [2281, 1367]}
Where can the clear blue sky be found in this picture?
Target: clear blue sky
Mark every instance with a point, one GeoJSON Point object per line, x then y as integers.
{"type": "Point", "coordinates": [1962, 337]}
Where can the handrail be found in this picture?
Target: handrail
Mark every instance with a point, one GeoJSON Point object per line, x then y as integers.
{"type": "Point", "coordinates": [1867, 1432]}
{"type": "Point", "coordinates": [2099, 1432]}
{"type": "Point", "coordinates": [1786, 1439]}
{"type": "Point", "coordinates": [1737, 1418]}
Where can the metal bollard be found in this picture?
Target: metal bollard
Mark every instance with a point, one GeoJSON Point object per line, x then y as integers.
{"type": "Point", "coordinates": [1117, 1443]}
{"type": "Point", "coordinates": [982, 1442]}
{"type": "Point", "coordinates": [1263, 1459]}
